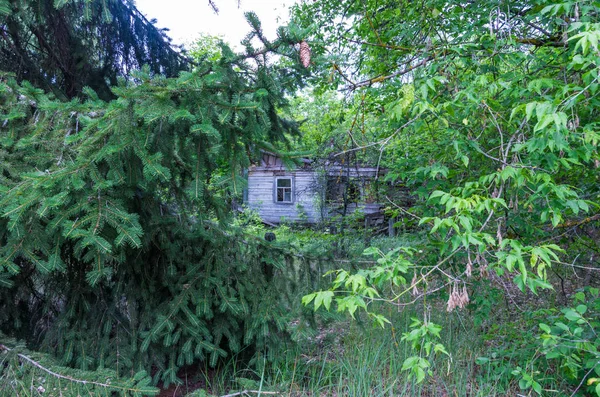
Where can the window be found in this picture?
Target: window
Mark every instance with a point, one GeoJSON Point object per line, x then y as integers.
{"type": "Point", "coordinates": [283, 190]}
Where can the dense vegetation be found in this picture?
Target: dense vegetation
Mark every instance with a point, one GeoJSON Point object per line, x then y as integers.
{"type": "Point", "coordinates": [123, 267]}
{"type": "Point", "coordinates": [488, 113]}
{"type": "Point", "coordinates": [114, 246]}
{"type": "Point", "coordinates": [64, 46]}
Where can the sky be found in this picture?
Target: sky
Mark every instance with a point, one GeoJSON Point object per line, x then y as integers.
{"type": "Point", "coordinates": [187, 18]}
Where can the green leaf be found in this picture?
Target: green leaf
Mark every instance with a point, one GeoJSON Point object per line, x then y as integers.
{"type": "Point", "coordinates": [60, 3]}
{"type": "Point", "coordinates": [543, 122]}
{"type": "Point", "coordinates": [572, 315]}
{"type": "Point", "coordinates": [154, 170]}
{"type": "Point", "coordinates": [208, 130]}
{"type": "Point", "coordinates": [529, 109]}
{"type": "Point", "coordinates": [420, 375]}
{"type": "Point", "coordinates": [371, 251]}
{"type": "Point", "coordinates": [5, 8]}
{"type": "Point", "coordinates": [436, 193]}
{"type": "Point", "coordinates": [537, 387]}
{"type": "Point", "coordinates": [94, 276]}
{"type": "Point", "coordinates": [5, 281]}
{"type": "Point", "coordinates": [482, 360]}
{"type": "Point", "coordinates": [327, 299]}
{"type": "Point", "coordinates": [556, 218]}
{"type": "Point", "coordinates": [106, 15]}
{"type": "Point", "coordinates": [410, 363]}
{"type": "Point", "coordinates": [380, 319]}
{"type": "Point", "coordinates": [55, 263]}
{"type": "Point", "coordinates": [439, 348]}
{"type": "Point", "coordinates": [306, 299]}
{"type": "Point", "coordinates": [357, 281]}
{"type": "Point", "coordinates": [323, 298]}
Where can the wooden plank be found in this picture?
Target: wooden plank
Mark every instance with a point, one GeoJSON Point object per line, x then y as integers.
{"type": "Point", "coordinates": [260, 196]}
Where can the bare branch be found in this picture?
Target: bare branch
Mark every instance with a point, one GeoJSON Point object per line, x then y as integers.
{"type": "Point", "coordinates": [66, 377]}
{"type": "Point", "coordinates": [381, 142]}
{"type": "Point", "coordinates": [378, 79]}
{"type": "Point", "coordinates": [247, 393]}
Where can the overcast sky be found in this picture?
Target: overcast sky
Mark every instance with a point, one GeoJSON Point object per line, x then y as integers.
{"type": "Point", "coordinates": [187, 18]}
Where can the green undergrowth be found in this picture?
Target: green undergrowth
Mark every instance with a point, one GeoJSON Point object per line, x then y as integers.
{"type": "Point", "coordinates": [353, 358]}
{"type": "Point", "coordinates": [28, 373]}
{"type": "Point", "coordinates": [494, 348]}
{"type": "Point", "coordinates": [326, 239]}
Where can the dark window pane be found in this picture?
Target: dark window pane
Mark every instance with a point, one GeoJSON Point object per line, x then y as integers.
{"type": "Point", "coordinates": [284, 182]}
{"type": "Point", "coordinates": [279, 194]}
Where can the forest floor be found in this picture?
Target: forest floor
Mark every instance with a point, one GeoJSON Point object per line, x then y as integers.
{"type": "Point", "coordinates": [354, 358]}
{"type": "Point", "coordinates": [488, 343]}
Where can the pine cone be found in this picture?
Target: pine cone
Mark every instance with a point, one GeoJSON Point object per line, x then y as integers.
{"type": "Point", "coordinates": [304, 53]}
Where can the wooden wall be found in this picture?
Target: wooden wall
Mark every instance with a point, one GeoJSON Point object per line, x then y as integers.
{"type": "Point", "coordinates": [260, 195]}
{"type": "Point", "coordinates": [307, 200]}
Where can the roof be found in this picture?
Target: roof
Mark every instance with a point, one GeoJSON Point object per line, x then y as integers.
{"type": "Point", "coordinates": [273, 162]}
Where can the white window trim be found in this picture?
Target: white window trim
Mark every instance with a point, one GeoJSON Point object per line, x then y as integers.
{"type": "Point", "coordinates": [292, 187]}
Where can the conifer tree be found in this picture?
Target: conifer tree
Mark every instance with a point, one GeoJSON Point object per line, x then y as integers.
{"type": "Point", "coordinates": [114, 245]}
{"type": "Point", "coordinates": [62, 46]}
{"type": "Point", "coordinates": [26, 373]}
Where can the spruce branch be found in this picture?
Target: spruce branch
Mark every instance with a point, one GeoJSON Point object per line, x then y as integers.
{"type": "Point", "coordinates": [75, 380]}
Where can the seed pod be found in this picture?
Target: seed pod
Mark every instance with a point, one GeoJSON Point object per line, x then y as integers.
{"type": "Point", "coordinates": [413, 285]}
{"type": "Point", "coordinates": [464, 298]}
{"type": "Point", "coordinates": [304, 54]}
{"type": "Point", "coordinates": [452, 299]}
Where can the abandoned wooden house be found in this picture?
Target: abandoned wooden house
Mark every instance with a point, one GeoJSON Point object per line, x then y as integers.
{"type": "Point", "coordinates": [309, 193]}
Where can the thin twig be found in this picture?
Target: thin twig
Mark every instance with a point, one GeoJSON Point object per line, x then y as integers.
{"type": "Point", "coordinates": [583, 379]}
{"type": "Point", "coordinates": [247, 392]}
{"type": "Point", "coordinates": [597, 269]}
{"type": "Point", "coordinates": [422, 295]}
{"type": "Point", "coordinates": [579, 222]}
{"type": "Point", "coordinates": [402, 209]}
{"type": "Point", "coordinates": [369, 82]}
{"type": "Point", "coordinates": [382, 142]}
{"type": "Point", "coordinates": [66, 377]}
{"type": "Point", "coordinates": [382, 45]}
{"type": "Point", "coordinates": [337, 69]}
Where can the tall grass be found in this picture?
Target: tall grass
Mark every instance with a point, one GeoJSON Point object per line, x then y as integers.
{"type": "Point", "coordinates": [352, 358]}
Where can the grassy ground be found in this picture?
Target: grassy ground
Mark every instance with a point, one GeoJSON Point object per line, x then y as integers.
{"type": "Point", "coordinates": [350, 358]}
{"type": "Point", "coordinates": [494, 336]}
{"type": "Point", "coordinates": [353, 358]}
{"type": "Point", "coordinates": [359, 360]}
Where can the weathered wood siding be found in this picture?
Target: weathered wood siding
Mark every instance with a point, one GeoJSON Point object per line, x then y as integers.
{"type": "Point", "coordinates": [307, 196]}
{"type": "Point", "coordinates": [261, 188]}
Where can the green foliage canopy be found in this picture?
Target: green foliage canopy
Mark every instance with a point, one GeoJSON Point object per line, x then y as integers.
{"type": "Point", "coordinates": [64, 46]}
{"type": "Point", "coordinates": [114, 249]}
{"type": "Point", "coordinates": [488, 112]}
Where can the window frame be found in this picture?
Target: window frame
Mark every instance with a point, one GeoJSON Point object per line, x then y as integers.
{"type": "Point", "coordinates": [276, 189]}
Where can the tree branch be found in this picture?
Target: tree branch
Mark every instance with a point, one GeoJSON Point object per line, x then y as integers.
{"type": "Point", "coordinates": [378, 79]}
{"type": "Point", "coordinates": [247, 392]}
{"type": "Point", "coordinates": [66, 377]}
{"type": "Point", "coordinates": [579, 222]}
{"type": "Point", "coordinates": [553, 42]}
